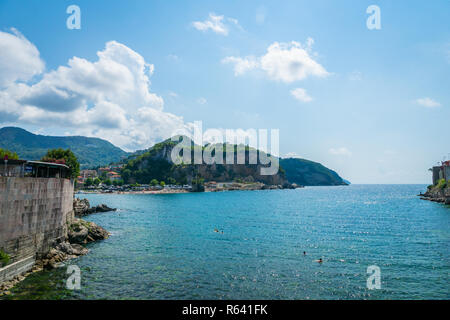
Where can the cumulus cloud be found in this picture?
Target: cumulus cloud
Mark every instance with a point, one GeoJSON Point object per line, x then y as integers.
{"type": "Point", "coordinates": [301, 95]}
{"type": "Point", "coordinates": [342, 151]}
{"type": "Point", "coordinates": [216, 24]}
{"type": "Point", "coordinates": [428, 102]}
{"type": "Point", "coordinates": [109, 98]}
{"type": "Point", "coordinates": [19, 58]}
{"type": "Point", "coordinates": [286, 62]}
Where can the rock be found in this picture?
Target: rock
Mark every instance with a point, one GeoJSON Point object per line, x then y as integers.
{"type": "Point", "coordinates": [97, 233]}
{"type": "Point", "coordinates": [77, 232]}
{"type": "Point", "coordinates": [82, 208]}
{"type": "Point", "coordinates": [104, 208]}
{"type": "Point", "coordinates": [82, 232]}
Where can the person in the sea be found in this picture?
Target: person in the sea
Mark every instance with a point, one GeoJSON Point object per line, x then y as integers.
{"type": "Point", "coordinates": [320, 260]}
{"type": "Point", "coordinates": [304, 253]}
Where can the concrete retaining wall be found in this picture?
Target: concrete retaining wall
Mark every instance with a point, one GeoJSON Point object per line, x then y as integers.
{"type": "Point", "coordinates": [33, 215]}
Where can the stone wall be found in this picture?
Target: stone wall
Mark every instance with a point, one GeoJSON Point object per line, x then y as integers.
{"type": "Point", "coordinates": [33, 215]}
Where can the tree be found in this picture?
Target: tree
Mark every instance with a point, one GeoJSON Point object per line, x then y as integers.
{"type": "Point", "coordinates": [97, 181]}
{"type": "Point", "coordinates": [154, 182]}
{"type": "Point", "coordinates": [65, 156]}
{"type": "Point", "coordinates": [11, 155]}
{"type": "Point", "coordinates": [162, 184]}
{"type": "Point", "coordinates": [108, 182]}
{"type": "Point", "coordinates": [88, 182]}
{"type": "Point", "coordinates": [171, 181]}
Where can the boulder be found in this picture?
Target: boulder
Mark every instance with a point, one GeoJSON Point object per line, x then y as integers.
{"type": "Point", "coordinates": [78, 232]}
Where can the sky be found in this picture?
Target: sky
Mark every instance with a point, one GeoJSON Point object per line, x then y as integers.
{"type": "Point", "coordinates": [371, 104]}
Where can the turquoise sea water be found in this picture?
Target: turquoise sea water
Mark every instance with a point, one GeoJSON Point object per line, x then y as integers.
{"type": "Point", "coordinates": [165, 247]}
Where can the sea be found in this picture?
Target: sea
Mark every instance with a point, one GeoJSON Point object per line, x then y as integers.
{"type": "Point", "coordinates": [375, 242]}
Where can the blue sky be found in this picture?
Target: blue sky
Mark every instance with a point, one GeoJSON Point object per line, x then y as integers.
{"type": "Point", "coordinates": [376, 114]}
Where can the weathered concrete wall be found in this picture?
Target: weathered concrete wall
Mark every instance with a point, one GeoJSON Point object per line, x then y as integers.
{"type": "Point", "coordinates": [33, 215]}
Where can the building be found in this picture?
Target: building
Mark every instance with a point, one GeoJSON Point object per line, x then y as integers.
{"type": "Point", "coordinates": [35, 169]}
{"type": "Point", "coordinates": [86, 174]}
{"type": "Point", "coordinates": [36, 205]}
{"type": "Point", "coordinates": [103, 170]}
{"type": "Point", "coordinates": [441, 172]}
{"type": "Point", "coordinates": [113, 176]}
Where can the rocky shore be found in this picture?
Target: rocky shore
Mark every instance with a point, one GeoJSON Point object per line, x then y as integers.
{"type": "Point", "coordinates": [437, 194]}
{"type": "Point", "coordinates": [82, 208]}
{"type": "Point", "coordinates": [79, 233]}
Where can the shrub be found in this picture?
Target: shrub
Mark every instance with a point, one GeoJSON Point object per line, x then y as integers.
{"type": "Point", "coordinates": [442, 184]}
{"type": "Point", "coordinates": [4, 258]}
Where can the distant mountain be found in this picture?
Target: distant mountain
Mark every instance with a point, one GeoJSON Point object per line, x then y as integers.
{"type": "Point", "coordinates": [91, 152]}
{"type": "Point", "coordinates": [156, 163]}
{"type": "Point", "coordinates": [309, 173]}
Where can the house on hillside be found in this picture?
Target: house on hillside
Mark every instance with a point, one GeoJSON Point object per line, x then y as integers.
{"type": "Point", "coordinates": [441, 172]}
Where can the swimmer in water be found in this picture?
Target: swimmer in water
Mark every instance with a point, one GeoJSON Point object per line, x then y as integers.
{"type": "Point", "coordinates": [320, 260]}
{"type": "Point", "coordinates": [304, 253]}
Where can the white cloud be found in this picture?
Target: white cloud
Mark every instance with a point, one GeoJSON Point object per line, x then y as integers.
{"type": "Point", "coordinates": [19, 58]}
{"type": "Point", "coordinates": [242, 65]}
{"type": "Point", "coordinates": [109, 98]}
{"type": "Point", "coordinates": [286, 62]}
{"type": "Point", "coordinates": [216, 24]}
{"type": "Point", "coordinates": [301, 95]}
{"type": "Point", "coordinates": [342, 151]}
{"type": "Point", "coordinates": [428, 102]}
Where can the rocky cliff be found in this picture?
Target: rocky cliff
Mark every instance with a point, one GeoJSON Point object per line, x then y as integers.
{"type": "Point", "coordinates": [437, 193]}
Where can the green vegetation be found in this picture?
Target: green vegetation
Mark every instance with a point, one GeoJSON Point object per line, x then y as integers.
{"type": "Point", "coordinates": [154, 164]}
{"type": "Point", "coordinates": [154, 182]}
{"type": "Point", "coordinates": [88, 182]}
{"type": "Point", "coordinates": [117, 183]}
{"type": "Point", "coordinates": [90, 152]}
{"type": "Point", "coordinates": [11, 155]}
{"type": "Point", "coordinates": [442, 184]}
{"type": "Point", "coordinates": [162, 184]}
{"type": "Point", "coordinates": [97, 181]}
{"type": "Point", "coordinates": [308, 173]}
{"type": "Point", "coordinates": [70, 160]}
{"type": "Point", "coordinates": [198, 185]}
{"type": "Point", "coordinates": [4, 258]}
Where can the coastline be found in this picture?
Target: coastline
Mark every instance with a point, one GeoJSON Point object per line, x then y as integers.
{"type": "Point", "coordinates": [437, 194]}
{"type": "Point", "coordinates": [220, 187]}
{"type": "Point", "coordinates": [79, 233]}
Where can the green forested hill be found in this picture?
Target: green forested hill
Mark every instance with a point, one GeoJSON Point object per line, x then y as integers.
{"type": "Point", "coordinates": [155, 163]}
{"type": "Point", "coordinates": [90, 152]}
{"type": "Point", "coordinates": [310, 173]}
